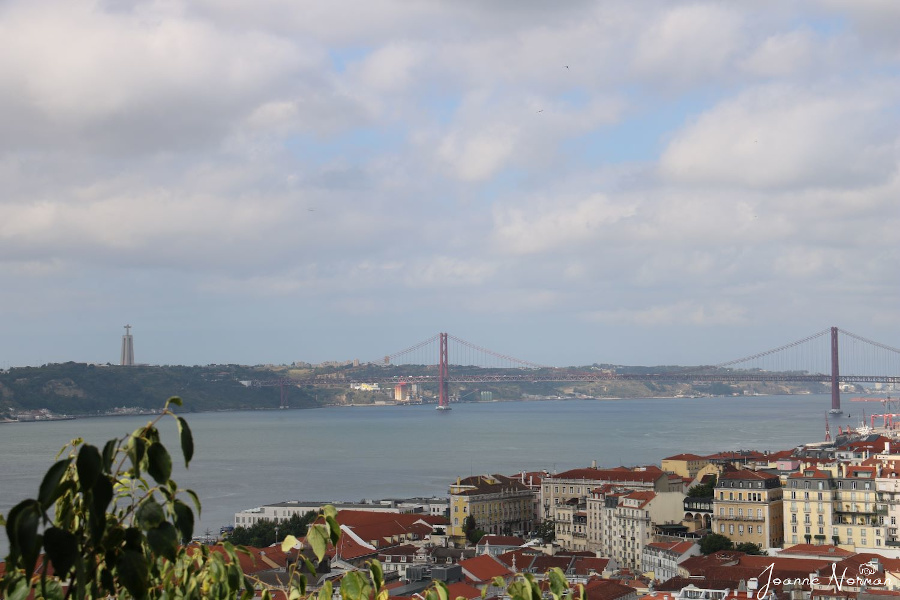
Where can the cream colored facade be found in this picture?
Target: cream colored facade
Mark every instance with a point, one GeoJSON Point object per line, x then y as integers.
{"type": "Point", "coordinates": [685, 465]}
{"type": "Point", "coordinates": [620, 522]}
{"type": "Point", "coordinates": [500, 505]}
{"type": "Point", "coordinates": [809, 507]}
{"type": "Point", "coordinates": [888, 490]}
{"type": "Point", "coordinates": [748, 507]}
{"type": "Point", "coordinates": [850, 511]}
{"type": "Point", "coordinates": [564, 497]}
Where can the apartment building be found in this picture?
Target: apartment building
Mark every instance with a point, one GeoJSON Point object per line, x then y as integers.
{"type": "Point", "coordinates": [564, 496]}
{"type": "Point", "coordinates": [809, 507]}
{"type": "Point", "coordinates": [685, 465]}
{"type": "Point", "coordinates": [748, 507]}
{"type": "Point", "coordinates": [662, 558]}
{"type": "Point", "coordinates": [620, 522]}
{"type": "Point", "coordinates": [500, 505]}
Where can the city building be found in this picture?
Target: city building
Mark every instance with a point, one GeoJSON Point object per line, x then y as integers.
{"type": "Point", "coordinates": [809, 507]}
{"type": "Point", "coordinates": [282, 511]}
{"type": "Point", "coordinates": [662, 558]}
{"type": "Point", "coordinates": [498, 504]}
{"type": "Point", "coordinates": [564, 496]}
{"type": "Point", "coordinates": [685, 465]}
{"type": "Point", "coordinates": [623, 521]}
{"type": "Point", "coordinates": [747, 507]}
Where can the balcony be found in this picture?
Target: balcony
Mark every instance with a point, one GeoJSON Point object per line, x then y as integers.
{"type": "Point", "coordinates": [739, 518]}
{"type": "Point", "coordinates": [856, 509]}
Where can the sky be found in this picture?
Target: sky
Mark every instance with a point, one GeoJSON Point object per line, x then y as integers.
{"type": "Point", "coordinates": [652, 182]}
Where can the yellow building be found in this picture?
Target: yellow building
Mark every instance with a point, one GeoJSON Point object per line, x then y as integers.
{"type": "Point", "coordinates": [747, 507]}
{"type": "Point", "coordinates": [500, 505]}
{"type": "Point", "coordinates": [844, 511]}
{"type": "Point", "coordinates": [686, 465]}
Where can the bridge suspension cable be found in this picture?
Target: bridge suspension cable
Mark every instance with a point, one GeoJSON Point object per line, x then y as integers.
{"type": "Point", "coordinates": [870, 342]}
{"type": "Point", "coordinates": [505, 357]}
{"type": "Point", "coordinates": [773, 350]}
{"type": "Point", "coordinates": [423, 344]}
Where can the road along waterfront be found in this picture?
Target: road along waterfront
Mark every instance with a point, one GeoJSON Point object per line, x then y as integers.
{"type": "Point", "coordinates": [245, 459]}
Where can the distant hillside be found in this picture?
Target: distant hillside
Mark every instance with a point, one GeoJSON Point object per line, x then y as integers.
{"type": "Point", "coordinates": [81, 389]}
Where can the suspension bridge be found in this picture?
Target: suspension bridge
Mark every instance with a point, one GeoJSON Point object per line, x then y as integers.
{"type": "Point", "coordinates": [832, 356]}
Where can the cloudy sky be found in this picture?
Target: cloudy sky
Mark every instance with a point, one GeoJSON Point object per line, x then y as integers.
{"type": "Point", "coordinates": [649, 182]}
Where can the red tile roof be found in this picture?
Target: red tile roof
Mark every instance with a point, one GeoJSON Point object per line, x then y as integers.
{"type": "Point", "coordinates": [521, 558]}
{"type": "Point", "coordinates": [677, 548]}
{"type": "Point", "coordinates": [604, 589]}
{"type": "Point", "coordinates": [646, 474]}
{"type": "Point", "coordinates": [483, 568]}
{"type": "Point", "coordinates": [259, 560]}
{"type": "Point", "coordinates": [501, 540]}
{"type": "Point", "coordinates": [816, 550]}
{"type": "Point", "coordinates": [585, 566]}
{"type": "Point", "coordinates": [685, 457]}
{"type": "Point", "coordinates": [463, 590]}
{"type": "Point", "coordinates": [747, 474]}
{"type": "Point", "coordinates": [542, 564]}
{"type": "Point", "coordinates": [643, 498]}
{"type": "Point", "coordinates": [782, 455]}
{"type": "Point", "coordinates": [812, 473]}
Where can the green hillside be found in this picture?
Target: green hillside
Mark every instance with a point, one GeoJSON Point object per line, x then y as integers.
{"type": "Point", "coordinates": [82, 389]}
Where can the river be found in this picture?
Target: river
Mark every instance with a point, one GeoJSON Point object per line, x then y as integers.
{"type": "Point", "coordinates": [245, 459]}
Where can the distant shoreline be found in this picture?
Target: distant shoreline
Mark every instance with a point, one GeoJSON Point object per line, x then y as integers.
{"type": "Point", "coordinates": [386, 404]}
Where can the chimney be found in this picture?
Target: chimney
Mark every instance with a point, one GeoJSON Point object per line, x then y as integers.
{"type": "Point", "coordinates": [593, 464]}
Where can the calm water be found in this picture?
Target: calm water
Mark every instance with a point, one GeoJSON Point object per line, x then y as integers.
{"type": "Point", "coordinates": [244, 459]}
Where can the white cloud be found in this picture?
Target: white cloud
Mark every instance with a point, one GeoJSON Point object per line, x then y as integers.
{"type": "Point", "coordinates": [784, 54]}
{"type": "Point", "coordinates": [679, 313]}
{"type": "Point", "coordinates": [129, 81]}
{"type": "Point", "coordinates": [782, 136]}
{"type": "Point", "coordinates": [688, 44]}
{"type": "Point", "coordinates": [447, 271]}
{"type": "Point", "coordinates": [490, 134]}
{"type": "Point", "coordinates": [553, 224]}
